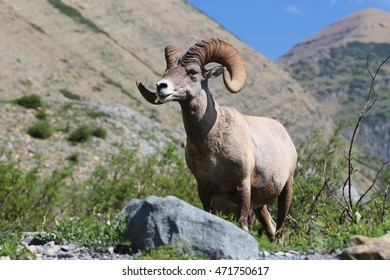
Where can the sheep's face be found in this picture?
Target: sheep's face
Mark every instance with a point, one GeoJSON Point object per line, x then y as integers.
{"type": "Point", "coordinates": [184, 82]}
{"type": "Point", "coordinates": [186, 77]}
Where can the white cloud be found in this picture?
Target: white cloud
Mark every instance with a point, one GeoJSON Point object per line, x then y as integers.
{"type": "Point", "coordinates": [291, 9]}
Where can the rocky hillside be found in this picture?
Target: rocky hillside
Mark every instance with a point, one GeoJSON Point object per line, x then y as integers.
{"type": "Point", "coordinates": [332, 66]}
{"type": "Point", "coordinates": [85, 55]}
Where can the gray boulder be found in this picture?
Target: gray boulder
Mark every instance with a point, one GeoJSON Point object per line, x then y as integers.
{"type": "Point", "coordinates": [160, 221]}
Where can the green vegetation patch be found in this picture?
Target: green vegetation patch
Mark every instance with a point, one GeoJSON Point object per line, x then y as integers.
{"type": "Point", "coordinates": [75, 15]}
{"type": "Point", "coordinates": [70, 95]}
{"type": "Point", "coordinates": [84, 133]}
{"type": "Point", "coordinates": [29, 101]}
{"type": "Point", "coordinates": [40, 129]}
{"type": "Point", "coordinates": [169, 252]}
{"type": "Point", "coordinates": [85, 212]}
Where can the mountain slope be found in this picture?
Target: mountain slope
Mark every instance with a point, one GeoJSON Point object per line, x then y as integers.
{"type": "Point", "coordinates": [96, 49]}
{"type": "Point", "coordinates": [332, 66]}
{"type": "Point", "coordinates": [83, 57]}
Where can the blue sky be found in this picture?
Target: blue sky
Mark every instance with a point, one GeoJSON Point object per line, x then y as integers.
{"type": "Point", "coordinates": [272, 27]}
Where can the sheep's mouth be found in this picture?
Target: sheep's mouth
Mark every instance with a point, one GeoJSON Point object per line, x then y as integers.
{"type": "Point", "coordinates": [163, 97]}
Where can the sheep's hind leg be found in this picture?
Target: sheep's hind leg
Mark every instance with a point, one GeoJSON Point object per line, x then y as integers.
{"type": "Point", "coordinates": [243, 204]}
{"type": "Point", "coordinates": [267, 222]}
{"type": "Point", "coordinates": [284, 201]}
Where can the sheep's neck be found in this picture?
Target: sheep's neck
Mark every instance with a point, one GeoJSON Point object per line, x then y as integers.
{"type": "Point", "coordinates": [199, 116]}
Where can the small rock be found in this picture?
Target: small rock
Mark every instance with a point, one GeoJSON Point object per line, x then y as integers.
{"type": "Point", "coordinates": [50, 252]}
{"type": "Point", "coordinates": [65, 248]}
{"type": "Point", "coordinates": [10, 146]}
{"type": "Point", "coordinates": [31, 248]}
{"type": "Point", "coordinates": [292, 252]}
{"type": "Point", "coordinates": [368, 249]}
{"type": "Point", "coordinates": [111, 250]}
{"type": "Point", "coordinates": [96, 158]}
{"type": "Point", "coordinates": [50, 244]}
{"type": "Point", "coordinates": [31, 150]}
{"type": "Point", "coordinates": [66, 255]}
{"type": "Point", "coordinates": [266, 254]}
{"type": "Point", "coordinates": [33, 240]}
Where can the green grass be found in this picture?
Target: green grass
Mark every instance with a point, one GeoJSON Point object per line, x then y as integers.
{"type": "Point", "coordinates": [168, 252]}
{"type": "Point", "coordinates": [85, 212]}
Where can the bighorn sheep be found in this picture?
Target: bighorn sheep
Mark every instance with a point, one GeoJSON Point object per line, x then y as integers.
{"type": "Point", "coordinates": [246, 160]}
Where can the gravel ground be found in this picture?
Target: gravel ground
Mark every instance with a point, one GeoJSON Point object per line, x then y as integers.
{"type": "Point", "coordinates": [50, 250]}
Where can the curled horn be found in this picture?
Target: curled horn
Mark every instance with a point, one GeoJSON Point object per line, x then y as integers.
{"type": "Point", "coordinates": [172, 54]}
{"type": "Point", "coordinates": [216, 50]}
{"type": "Point", "coordinates": [147, 94]}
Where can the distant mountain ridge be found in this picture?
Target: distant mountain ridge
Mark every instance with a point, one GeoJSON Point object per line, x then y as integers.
{"type": "Point", "coordinates": [365, 26]}
{"type": "Point", "coordinates": [331, 65]}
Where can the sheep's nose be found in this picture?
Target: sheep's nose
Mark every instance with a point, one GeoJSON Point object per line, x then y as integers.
{"type": "Point", "coordinates": [161, 86]}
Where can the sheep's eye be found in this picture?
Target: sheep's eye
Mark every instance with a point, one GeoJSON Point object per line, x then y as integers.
{"type": "Point", "coordinates": [192, 73]}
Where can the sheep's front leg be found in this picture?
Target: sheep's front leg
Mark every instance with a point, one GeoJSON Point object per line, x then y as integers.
{"type": "Point", "coordinates": [206, 198]}
{"type": "Point", "coordinates": [244, 204]}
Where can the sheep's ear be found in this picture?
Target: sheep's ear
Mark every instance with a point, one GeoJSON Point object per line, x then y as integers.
{"type": "Point", "coordinates": [213, 72]}
{"type": "Point", "coordinates": [147, 94]}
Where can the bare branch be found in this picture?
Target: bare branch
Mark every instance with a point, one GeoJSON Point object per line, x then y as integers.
{"type": "Point", "coordinates": [368, 66]}
{"type": "Point", "coordinates": [338, 200]}
{"type": "Point", "coordinates": [368, 105]}
{"type": "Point", "coordinates": [373, 183]}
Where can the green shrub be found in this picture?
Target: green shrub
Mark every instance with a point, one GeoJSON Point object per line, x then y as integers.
{"type": "Point", "coordinates": [80, 135]}
{"type": "Point", "coordinates": [318, 218]}
{"type": "Point", "coordinates": [27, 201]}
{"type": "Point", "coordinates": [40, 129]}
{"type": "Point", "coordinates": [41, 115]}
{"type": "Point", "coordinates": [92, 232]}
{"type": "Point", "coordinates": [85, 212]}
{"type": "Point", "coordinates": [10, 245]}
{"type": "Point", "coordinates": [99, 132]}
{"type": "Point", "coordinates": [73, 158]}
{"type": "Point", "coordinates": [131, 175]}
{"type": "Point", "coordinates": [83, 133]}
{"type": "Point", "coordinates": [30, 101]}
{"type": "Point", "coordinates": [70, 95]}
